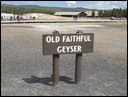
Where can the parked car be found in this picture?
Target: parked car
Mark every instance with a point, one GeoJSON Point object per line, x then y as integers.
{"type": "Point", "coordinates": [112, 18]}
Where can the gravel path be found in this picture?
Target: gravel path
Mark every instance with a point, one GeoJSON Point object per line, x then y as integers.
{"type": "Point", "coordinates": [26, 72]}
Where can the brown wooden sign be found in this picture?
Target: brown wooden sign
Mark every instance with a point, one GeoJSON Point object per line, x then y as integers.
{"type": "Point", "coordinates": [67, 43]}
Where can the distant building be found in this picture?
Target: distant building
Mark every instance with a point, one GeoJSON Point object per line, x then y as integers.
{"type": "Point", "coordinates": [6, 15]}
{"type": "Point", "coordinates": [71, 14]}
{"type": "Point", "coordinates": [78, 14]}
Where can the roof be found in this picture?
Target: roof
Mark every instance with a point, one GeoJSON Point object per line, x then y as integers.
{"type": "Point", "coordinates": [6, 14]}
{"type": "Point", "coordinates": [67, 13]}
{"type": "Point", "coordinates": [89, 13]}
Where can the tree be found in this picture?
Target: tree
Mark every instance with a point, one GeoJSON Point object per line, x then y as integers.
{"type": "Point", "coordinates": [120, 12]}
{"type": "Point", "coordinates": [93, 13]}
{"type": "Point", "coordinates": [100, 13]}
{"type": "Point", "coordinates": [107, 13]}
{"type": "Point", "coordinates": [125, 12]}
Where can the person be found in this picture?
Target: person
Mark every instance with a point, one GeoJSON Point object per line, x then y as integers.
{"type": "Point", "coordinates": [1, 18]}
{"type": "Point", "coordinates": [73, 18]}
{"type": "Point", "coordinates": [10, 18]}
{"type": "Point", "coordinates": [14, 17]}
{"type": "Point", "coordinates": [33, 18]}
{"type": "Point", "coordinates": [76, 17]}
{"type": "Point", "coordinates": [18, 18]}
{"type": "Point", "coordinates": [30, 17]}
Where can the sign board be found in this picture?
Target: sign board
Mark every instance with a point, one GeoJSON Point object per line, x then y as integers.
{"type": "Point", "coordinates": [67, 43]}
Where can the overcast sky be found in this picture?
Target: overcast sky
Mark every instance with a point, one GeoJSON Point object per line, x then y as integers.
{"type": "Point", "coordinates": [73, 4]}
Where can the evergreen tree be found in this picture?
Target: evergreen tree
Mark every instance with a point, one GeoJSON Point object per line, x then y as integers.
{"type": "Point", "coordinates": [93, 13]}
{"type": "Point", "coordinates": [125, 13]}
{"type": "Point", "coordinates": [100, 13]}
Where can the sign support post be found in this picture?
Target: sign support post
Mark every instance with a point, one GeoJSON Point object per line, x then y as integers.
{"type": "Point", "coordinates": [55, 66]}
{"type": "Point", "coordinates": [55, 69]}
{"type": "Point", "coordinates": [78, 64]}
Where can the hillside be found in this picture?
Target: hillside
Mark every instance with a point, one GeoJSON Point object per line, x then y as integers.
{"type": "Point", "coordinates": [21, 9]}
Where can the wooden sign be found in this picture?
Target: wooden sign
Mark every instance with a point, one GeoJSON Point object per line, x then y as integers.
{"type": "Point", "coordinates": [67, 43]}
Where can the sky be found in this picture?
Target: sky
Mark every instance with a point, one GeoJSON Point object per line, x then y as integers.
{"type": "Point", "coordinates": [73, 4]}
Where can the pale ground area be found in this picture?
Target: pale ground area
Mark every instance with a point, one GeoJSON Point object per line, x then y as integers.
{"type": "Point", "coordinates": [53, 17]}
{"type": "Point", "coordinates": [25, 71]}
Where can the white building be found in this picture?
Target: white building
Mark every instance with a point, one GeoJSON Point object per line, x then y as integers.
{"type": "Point", "coordinates": [6, 15]}
{"type": "Point", "coordinates": [79, 14]}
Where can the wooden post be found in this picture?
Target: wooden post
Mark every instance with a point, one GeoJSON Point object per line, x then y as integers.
{"type": "Point", "coordinates": [78, 67]}
{"type": "Point", "coordinates": [78, 64]}
{"type": "Point", "coordinates": [55, 66]}
{"type": "Point", "coordinates": [55, 69]}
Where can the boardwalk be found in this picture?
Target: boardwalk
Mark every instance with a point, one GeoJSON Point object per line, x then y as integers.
{"type": "Point", "coordinates": [62, 21]}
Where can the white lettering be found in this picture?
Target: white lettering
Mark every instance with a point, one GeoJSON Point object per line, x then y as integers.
{"type": "Point", "coordinates": [79, 48]}
{"type": "Point", "coordinates": [67, 49]}
{"type": "Point", "coordinates": [48, 39]}
{"type": "Point", "coordinates": [59, 49]}
{"type": "Point", "coordinates": [67, 40]}
{"type": "Point", "coordinates": [64, 37]}
{"type": "Point", "coordinates": [70, 49]}
{"type": "Point", "coordinates": [63, 49]}
{"type": "Point", "coordinates": [73, 38]}
{"type": "Point", "coordinates": [78, 38]}
{"type": "Point", "coordinates": [52, 39]}
{"type": "Point", "coordinates": [85, 38]}
{"type": "Point", "coordinates": [88, 38]}
{"type": "Point", "coordinates": [57, 39]}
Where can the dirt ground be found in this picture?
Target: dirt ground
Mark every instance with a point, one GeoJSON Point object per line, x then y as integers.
{"type": "Point", "coordinates": [25, 71]}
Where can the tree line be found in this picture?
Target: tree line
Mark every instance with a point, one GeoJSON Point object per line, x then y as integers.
{"type": "Point", "coordinates": [23, 10]}
{"type": "Point", "coordinates": [115, 12]}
